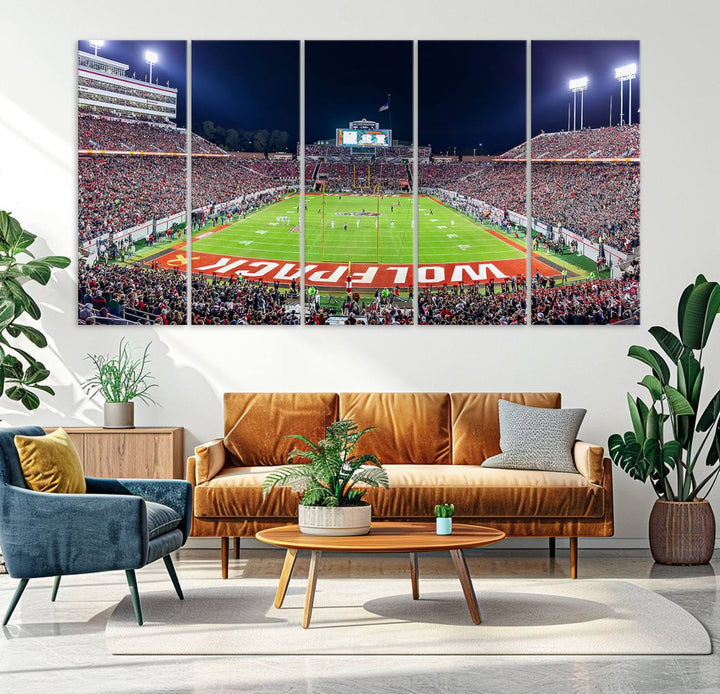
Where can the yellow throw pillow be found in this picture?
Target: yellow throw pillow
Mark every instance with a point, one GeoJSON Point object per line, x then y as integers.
{"type": "Point", "coordinates": [51, 463]}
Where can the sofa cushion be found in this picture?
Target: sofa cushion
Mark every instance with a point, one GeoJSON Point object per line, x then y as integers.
{"type": "Point", "coordinates": [536, 438]}
{"type": "Point", "coordinates": [257, 424]}
{"type": "Point", "coordinates": [209, 459]}
{"type": "Point", "coordinates": [161, 519]}
{"type": "Point", "coordinates": [476, 422]}
{"type": "Point", "coordinates": [477, 492]}
{"type": "Point", "coordinates": [411, 427]}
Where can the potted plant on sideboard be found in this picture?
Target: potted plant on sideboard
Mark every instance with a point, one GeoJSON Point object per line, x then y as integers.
{"type": "Point", "coordinates": [674, 442]}
{"type": "Point", "coordinates": [121, 379]}
{"type": "Point", "coordinates": [331, 502]}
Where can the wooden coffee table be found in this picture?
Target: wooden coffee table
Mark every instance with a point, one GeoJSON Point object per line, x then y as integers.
{"type": "Point", "coordinates": [383, 538]}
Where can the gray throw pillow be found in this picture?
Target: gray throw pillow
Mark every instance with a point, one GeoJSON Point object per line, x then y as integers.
{"type": "Point", "coordinates": [536, 438]}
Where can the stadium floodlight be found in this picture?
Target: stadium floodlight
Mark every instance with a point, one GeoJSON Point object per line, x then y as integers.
{"type": "Point", "coordinates": [96, 43]}
{"type": "Point", "coordinates": [152, 58]}
{"type": "Point", "coordinates": [626, 73]}
{"type": "Point", "coordinates": [578, 85]}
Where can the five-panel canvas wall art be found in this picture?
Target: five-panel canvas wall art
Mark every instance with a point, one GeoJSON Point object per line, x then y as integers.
{"type": "Point", "coordinates": [386, 183]}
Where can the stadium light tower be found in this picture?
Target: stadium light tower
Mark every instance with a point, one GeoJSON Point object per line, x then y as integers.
{"type": "Point", "coordinates": [96, 43]}
{"type": "Point", "coordinates": [152, 58]}
{"type": "Point", "coordinates": [626, 73]}
{"type": "Point", "coordinates": [578, 85]}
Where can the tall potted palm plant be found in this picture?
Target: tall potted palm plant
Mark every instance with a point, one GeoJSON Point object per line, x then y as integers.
{"type": "Point", "coordinates": [674, 442]}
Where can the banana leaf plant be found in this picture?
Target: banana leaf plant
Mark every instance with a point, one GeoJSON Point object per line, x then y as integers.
{"type": "Point", "coordinates": [21, 373]}
{"type": "Point", "coordinates": [674, 443]}
{"type": "Point", "coordinates": [331, 476]}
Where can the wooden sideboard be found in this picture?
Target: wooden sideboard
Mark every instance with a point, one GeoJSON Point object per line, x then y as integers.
{"type": "Point", "coordinates": [143, 452]}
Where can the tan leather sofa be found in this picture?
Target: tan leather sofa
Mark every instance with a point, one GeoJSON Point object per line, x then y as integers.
{"type": "Point", "coordinates": [433, 446]}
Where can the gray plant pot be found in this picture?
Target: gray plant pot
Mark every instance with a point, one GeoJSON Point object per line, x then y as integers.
{"type": "Point", "coordinates": [119, 415]}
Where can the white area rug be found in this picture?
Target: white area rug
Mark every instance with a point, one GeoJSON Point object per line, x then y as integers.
{"type": "Point", "coordinates": [376, 616]}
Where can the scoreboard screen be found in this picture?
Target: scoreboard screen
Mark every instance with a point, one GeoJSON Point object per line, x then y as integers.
{"type": "Point", "coordinates": [363, 138]}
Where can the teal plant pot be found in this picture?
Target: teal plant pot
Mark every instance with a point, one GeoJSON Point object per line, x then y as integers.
{"type": "Point", "coordinates": [443, 526]}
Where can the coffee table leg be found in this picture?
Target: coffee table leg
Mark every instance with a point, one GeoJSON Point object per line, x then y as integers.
{"type": "Point", "coordinates": [414, 575]}
{"type": "Point", "coordinates": [287, 569]}
{"type": "Point", "coordinates": [466, 582]}
{"type": "Point", "coordinates": [312, 582]}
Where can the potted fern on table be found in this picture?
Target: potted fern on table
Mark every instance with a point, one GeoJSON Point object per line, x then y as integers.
{"type": "Point", "coordinates": [333, 482]}
{"type": "Point", "coordinates": [675, 443]}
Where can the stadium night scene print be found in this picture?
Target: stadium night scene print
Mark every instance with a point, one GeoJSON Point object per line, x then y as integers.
{"type": "Point", "coordinates": [480, 261]}
{"type": "Point", "coordinates": [359, 236]}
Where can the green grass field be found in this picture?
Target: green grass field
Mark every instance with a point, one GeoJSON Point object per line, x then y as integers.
{"type": "Point", "coordinates": [445, 235]}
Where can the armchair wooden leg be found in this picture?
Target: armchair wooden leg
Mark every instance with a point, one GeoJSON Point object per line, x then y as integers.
{"type": "Point", "coordinates": [551, 547]}
{"type": "Point", "coordinates": [573, 557]}
{"type": "Point", "coordinates": [15, 599]}
{"type": "Point", "coordinates": [173, 576]}
{"type": "Point", "coordinates": [56, 585]}
{"type": "Point", "coordinates": [224, 558]}
{"type": "Point", "coordinates": [236, 553]}
{"type": "Point", "coordinates": [132, 582]}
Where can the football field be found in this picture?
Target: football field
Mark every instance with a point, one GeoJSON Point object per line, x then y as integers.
{"type": "Point", "coordinates": [350, 233]}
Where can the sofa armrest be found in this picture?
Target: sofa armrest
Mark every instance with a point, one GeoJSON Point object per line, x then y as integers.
{"type": "Point", "coordinates": [209, 460]}
{"type": "Point", "coordinates": [177, 494]}
{"type": "Point", "coordinates": [45, 534]}
{"type": "Point", "coordinates": [588, 460]}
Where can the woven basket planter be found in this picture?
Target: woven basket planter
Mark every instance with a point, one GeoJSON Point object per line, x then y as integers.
{"type": "Point", "coordinates": [682, 532]}
{"type": "Point", "coordinates": [335, 520]}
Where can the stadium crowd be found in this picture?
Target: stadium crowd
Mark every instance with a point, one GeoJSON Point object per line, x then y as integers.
{"type": "Point", "coordinates": [117, 193]}
{"type": "Point", "coordinates": [120, 293]}
{"type": "Point", "coordinates": [124, 135]}
{"type": "Point", "coordinates": [595, 302]}
{"type": "Point", "coordinates": [241, 302]}
{"type": "Point", "coordinates": [611, 142]}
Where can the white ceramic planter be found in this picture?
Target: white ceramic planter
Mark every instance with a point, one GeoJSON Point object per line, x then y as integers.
{"type": "Point", "coordinates": [335, 520]}
{"type": "Point", "coordinates": [119, 415]}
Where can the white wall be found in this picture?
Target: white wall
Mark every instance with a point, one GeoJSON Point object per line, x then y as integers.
{"type": "Point", "coordinates": [680, 172]}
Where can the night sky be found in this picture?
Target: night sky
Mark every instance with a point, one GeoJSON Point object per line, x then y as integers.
{"type": "Point", "coordinates": [555, 63]}
{"type": "Point", "coordinates": [350, 80]}
{"type": "Point", "coordinates": [471, 94]}
{"type": "Point", "coordinates": [247, 84]}
{"type": "Point", "coordinates": [170, 66]}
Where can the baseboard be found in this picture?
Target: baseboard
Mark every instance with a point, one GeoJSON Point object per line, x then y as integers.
{"type": "Point", "coordinates": [511, 543]}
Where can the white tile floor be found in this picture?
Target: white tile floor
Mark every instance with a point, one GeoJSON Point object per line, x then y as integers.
{"type": "Point", "coordinates": [60, 647]}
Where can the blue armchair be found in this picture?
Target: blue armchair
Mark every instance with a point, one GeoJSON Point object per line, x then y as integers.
{"type": "Point", "coordinates": [117, 524]}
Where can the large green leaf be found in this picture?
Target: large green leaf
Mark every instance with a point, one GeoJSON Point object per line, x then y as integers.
{"type": "Point", "coordinates": [58, 261]}
{"type": "Point", "coordinates": [652, 424]}
{"type": "Point", "coordinates": [7, 313]}
{"type": "Point", "coordinates": [669, 343]}
{"type": "Point", "coordinates": [653, 360]}
{"type": "Point", "coordinates": [714, 453]}
{"type": "Point", "coordinates": [653, 385]}
{"type": "Point", "coordinates": [638, 421]}
{"type": "Point", "coordinates": [711, 413]}
{"type": "Point", "coordinates": [37, 270]}
{"type": "Point", "coordinates": [678, 402]}
{"type": "Point", "coordinates": [32, 334]}
{"type": "Point", "coordinates": [699, 314]}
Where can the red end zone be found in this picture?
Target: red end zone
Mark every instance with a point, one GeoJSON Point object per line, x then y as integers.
{"type": "Point", "coordinates": [370, 275]}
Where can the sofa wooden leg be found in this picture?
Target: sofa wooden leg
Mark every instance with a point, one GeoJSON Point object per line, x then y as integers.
{"type": "Point", "coordinates": [56, 585]}
{"type": "Point", "coordinates": [15, 599]}
{"type": "Point", "coordinates": [551, 547]}
{"type": "Point", "coordinates": [236, 553]}
{"type": "Point", "coordinates": [573, 557]}
{"type": "Point", "coordinates": [224, 552]}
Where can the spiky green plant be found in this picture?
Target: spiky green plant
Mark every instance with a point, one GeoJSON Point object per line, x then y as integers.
{"type": "Point", "coordinates": [123, 377]}
{"type": "Point", "coordinates": [331, 476]}
{"type": "Point", "coordinates": [444, 510]}
{"type": "Point", "coordinates": [649, 451]}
